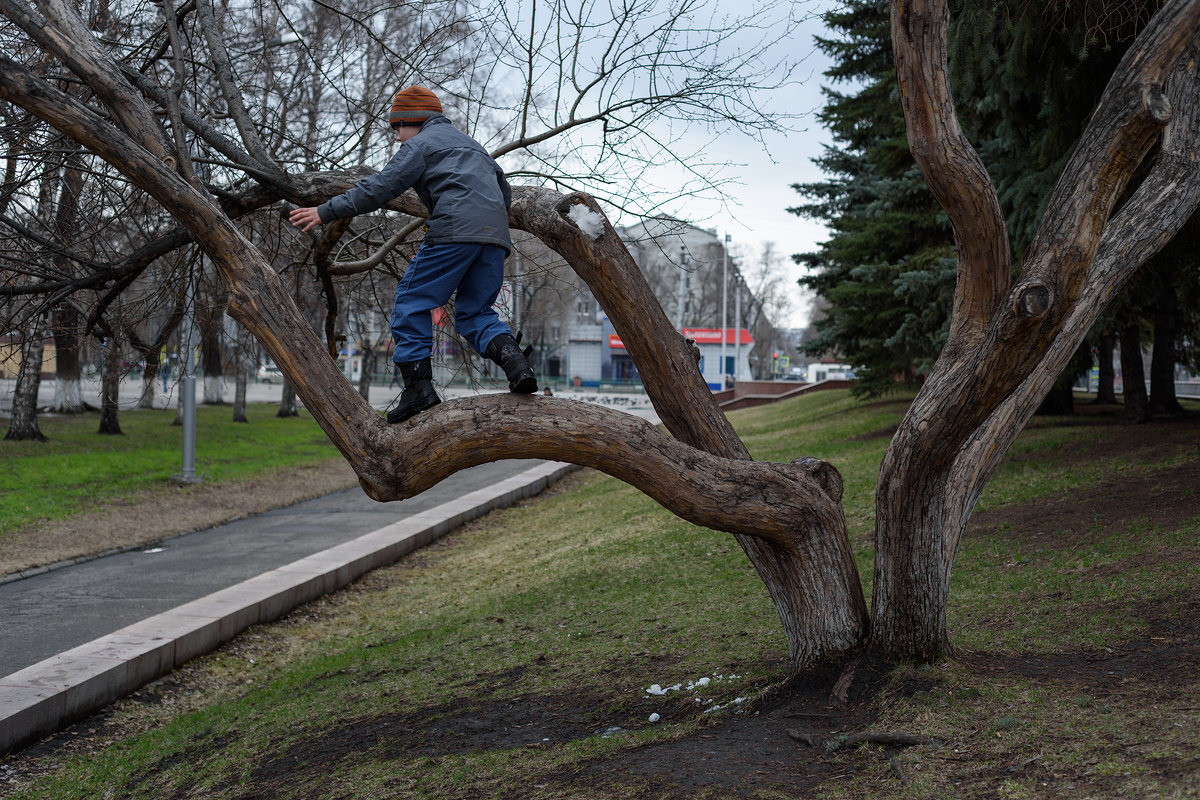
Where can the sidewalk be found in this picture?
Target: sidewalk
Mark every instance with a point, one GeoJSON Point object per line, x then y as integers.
{"type": "Point", "coordinates": [159, 630]}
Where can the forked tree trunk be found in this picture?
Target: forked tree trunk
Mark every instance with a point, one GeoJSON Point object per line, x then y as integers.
{"type": "Point", "coordinates": [1008, 343]}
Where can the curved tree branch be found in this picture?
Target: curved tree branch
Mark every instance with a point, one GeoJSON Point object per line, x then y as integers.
{"type": "Point", "coordinates": [951, 167]}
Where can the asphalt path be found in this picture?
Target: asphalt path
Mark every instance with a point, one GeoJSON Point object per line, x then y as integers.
{"type": "Point", "coordinates": [55, 611]}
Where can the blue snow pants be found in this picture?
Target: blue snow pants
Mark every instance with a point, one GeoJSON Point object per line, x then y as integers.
{"type": "Point", "coordinates": [474, 271]}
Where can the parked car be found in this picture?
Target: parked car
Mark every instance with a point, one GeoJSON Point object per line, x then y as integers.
{"type": "Point", "coordinates": [269, 373]}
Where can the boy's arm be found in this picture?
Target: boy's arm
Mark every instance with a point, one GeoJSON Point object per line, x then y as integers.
{"type": "Point", "coordinates": [305, 218]}
{"type": "Point", "coordinates": [376, 190]}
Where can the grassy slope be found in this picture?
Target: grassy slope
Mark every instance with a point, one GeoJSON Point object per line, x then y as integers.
{"type": "Point", "coordinates": [586, 597]}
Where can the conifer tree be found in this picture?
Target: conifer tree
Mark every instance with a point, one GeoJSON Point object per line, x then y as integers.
{"type": "Point", "coordinates": [1026, 78]}
{"type": "Point", "coordinates": [887, 271]}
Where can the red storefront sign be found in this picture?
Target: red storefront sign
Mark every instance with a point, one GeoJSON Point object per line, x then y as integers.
{"type": "Point", "coordinates": [700, 336]}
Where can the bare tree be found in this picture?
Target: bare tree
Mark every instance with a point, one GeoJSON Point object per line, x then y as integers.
{"type": "Point", "coordinates": [1008, 340]}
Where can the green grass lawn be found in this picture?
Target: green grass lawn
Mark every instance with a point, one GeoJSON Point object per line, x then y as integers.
{"type": "Point", "coordinates": [78, 469]}
{"type": "Point", "coordinates": [561, 613]}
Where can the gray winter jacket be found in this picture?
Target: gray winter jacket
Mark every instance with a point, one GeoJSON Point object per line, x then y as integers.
{"type": "Point", "coordinates": [462, 186]}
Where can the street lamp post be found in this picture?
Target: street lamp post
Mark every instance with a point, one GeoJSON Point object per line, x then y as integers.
{"type": "Point", "coordinates": [737, 324]}
{"type": "Point", "coordinates": [724, 301]}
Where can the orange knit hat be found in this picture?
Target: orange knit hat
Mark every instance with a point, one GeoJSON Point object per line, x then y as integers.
{"type": "Point", "coordinates": [413, 105]}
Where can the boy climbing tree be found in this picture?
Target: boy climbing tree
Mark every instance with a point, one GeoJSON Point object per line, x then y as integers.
{"type": "Point", "coordinates": [463, 251]}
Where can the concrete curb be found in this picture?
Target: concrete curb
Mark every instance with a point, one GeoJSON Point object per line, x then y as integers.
{"type": "Point", "coordinates": [49, 695]}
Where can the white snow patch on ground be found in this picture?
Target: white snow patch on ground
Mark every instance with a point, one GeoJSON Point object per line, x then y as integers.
{"type": "Point", "coordinates": [658, 690]}
{"type": "Point", "coordinates": [591, 223]}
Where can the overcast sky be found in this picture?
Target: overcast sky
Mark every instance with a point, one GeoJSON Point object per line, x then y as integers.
{"type": "Point", "coordinates": [757, 208]}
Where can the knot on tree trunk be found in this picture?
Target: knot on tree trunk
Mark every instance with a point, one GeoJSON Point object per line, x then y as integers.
{"type": "Point", "coordinates": [1033, 301]}
{"type": "Point", "coordinates": [825, 474]}
{"type": "Point", "coordinates": [1156, 104]}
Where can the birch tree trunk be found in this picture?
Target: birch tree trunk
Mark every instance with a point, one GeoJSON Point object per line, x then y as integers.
{"type": "Point", "coordinates": [23, 424]}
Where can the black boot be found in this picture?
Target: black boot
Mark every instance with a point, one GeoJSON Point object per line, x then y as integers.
{"type": "Point", "coordinates": [418, 393]}
{"type": "Point", "coordinates": [505, 351]}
